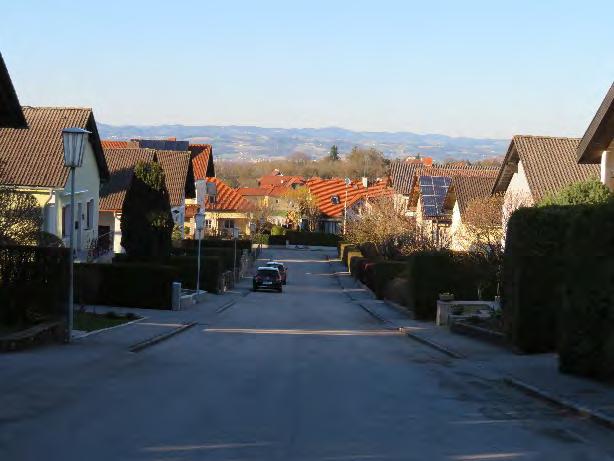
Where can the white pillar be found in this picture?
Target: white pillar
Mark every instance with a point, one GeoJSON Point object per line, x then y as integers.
{"type": "Point", "coordinates": [607, 169]}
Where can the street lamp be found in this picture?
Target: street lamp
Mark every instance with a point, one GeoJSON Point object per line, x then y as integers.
{"type": "Point", "coordinates": [235, 236]}
{"type": "Point", "coordinates": [345, 204]}
{"type": "Point", "coordinates": [199, 218]}
{"type": "Point", "coordinates": [74, 140]}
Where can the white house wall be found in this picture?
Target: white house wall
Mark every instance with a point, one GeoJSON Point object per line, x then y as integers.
{"type": "Point", "coordinates": [517, 194]}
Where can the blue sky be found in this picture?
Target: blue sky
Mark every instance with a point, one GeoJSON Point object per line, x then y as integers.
{"type": "Point", "coordinates": [462, 68]}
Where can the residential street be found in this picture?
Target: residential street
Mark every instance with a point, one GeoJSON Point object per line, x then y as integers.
{"type": "Point", "coordinates": [304, 375]}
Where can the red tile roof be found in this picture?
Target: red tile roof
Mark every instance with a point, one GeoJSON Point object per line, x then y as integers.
{"type": "Point", "coordinates": [121, 166]}
{"type": "Point", "coordinates": [325, 189]}
{"type": "Point", "coordinates": [111, 144]}
{"type": "Point", "coordinates": [227, 199]}
{"type": "Point", "coordinates": [35, 156]}
{"type": "Point", "coordinates": [278, 179]}
{"type": "Point", "coordinates": [549, 164]}
{"type": "Point", "coordinates": [202, 159]}
{"type": "Point", "coordinates": [254, 191]}
{"type": "Point", "coordinates": [179, 177]}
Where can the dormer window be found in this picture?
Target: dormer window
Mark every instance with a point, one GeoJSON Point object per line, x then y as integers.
{"type": "Point", "coordinates": [334, 199]}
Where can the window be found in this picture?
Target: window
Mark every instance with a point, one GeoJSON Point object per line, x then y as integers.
{"type": "Point", "coordinates": [207, 224]}
{"type": "Point", "coordinates": [65, 220]}
{"type": "Point", "coordinates": [334, 199]}
{"type": "Point", "coordinates": [89, 217]}
{"type": "Point", "coordinates": [229, 224]}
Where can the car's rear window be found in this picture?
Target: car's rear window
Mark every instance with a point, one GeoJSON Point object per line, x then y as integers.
{"type": "Point", "coordinates": [267, 273]}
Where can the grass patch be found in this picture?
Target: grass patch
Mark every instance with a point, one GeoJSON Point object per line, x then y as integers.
{"type": "Point", "coordinates": [88, 321]}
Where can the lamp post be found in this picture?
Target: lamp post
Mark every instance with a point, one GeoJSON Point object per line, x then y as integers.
{"type": "Point", "coordinates": [235, 235]}
{"type": "Point", "coordinates": [199, 218]}
{"type": "Point", "coordinates": [345, 204]}
{"type": "Point", "coordinates": [74, 140]}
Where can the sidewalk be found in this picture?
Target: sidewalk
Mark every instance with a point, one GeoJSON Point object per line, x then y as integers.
{"type": "Point", "coordinates": [156, 322]}
{"type": "Point", "coordinates": [533, 374]}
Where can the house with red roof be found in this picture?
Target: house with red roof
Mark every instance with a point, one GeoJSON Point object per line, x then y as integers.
{"type": "Point", "coordinates": [224, 211]}
{"type": "Point", "coordinates": [277, 178]}
{"type": "Point", "coordinates": [337, 199]}
{"type": "Point", "coordinates": [271, 202]}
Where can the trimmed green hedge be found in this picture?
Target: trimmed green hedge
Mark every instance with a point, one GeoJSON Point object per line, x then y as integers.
{"type": "Point", "coordinates": [226, 255]}
{"type": "Point", "coordinates": [358, 267]}
{"type": "Point", "coordinates": [534, 276]}
{"type": "Point", "coordinates": [242, 244]}
{"type": "Point", "coordinates": [125, 284]}
{"type": "Point", "coordinates": [312, 238]}
{"type": "Point", "coordinates": [33, 284]}
{"type": "Point", "coordinates": [430, 273]}
{"type": "Point", "coordinates": [211, 270]}
{"type": "Point", "coordinates": [379, 275]}
{"type": "Point", "coordinates": [369, 249]}
{"type": "Point", "coordinates": [277, 239]}
{"type": "Point", "coordinates": [341, 248]}
{"type": "Point", "coordinates": [586, 340]}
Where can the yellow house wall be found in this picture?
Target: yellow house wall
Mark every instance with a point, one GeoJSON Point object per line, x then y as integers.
{"type": "Point", "coordinates": [87, 187]}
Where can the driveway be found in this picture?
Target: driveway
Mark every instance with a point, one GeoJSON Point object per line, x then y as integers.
{"type": "Point", "coordinates": [302, 375]}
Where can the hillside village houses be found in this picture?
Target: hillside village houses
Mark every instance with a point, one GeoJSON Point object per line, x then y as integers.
{"type": "Point", "coordinates": [437, 196]}
{"type": "Point", "coordinates": [179, 180]}
{"type": "Point", "coordinates": [338, 201]}
{"type": "Point", "coordinates": [33, 162]}
{"type": "Point", "coordinates": [225, 211]}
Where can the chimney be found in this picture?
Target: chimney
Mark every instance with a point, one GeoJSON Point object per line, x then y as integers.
{"type": "Point", "coordinates": [365, 181]}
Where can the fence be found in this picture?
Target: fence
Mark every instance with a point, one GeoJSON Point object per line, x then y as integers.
{"type": "Point", "coordinates": [33, 284]}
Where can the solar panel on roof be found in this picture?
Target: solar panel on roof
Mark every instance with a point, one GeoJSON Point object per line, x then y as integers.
{"type": "Point", "coordinates": [433, 190]}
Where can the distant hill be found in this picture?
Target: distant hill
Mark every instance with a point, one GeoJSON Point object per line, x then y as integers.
{"type": "Point", "coordinates": [252, 142]}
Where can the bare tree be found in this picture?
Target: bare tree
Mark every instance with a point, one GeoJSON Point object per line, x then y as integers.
{"type": "Point", "coordinates": [305, 206]}
{"type": "Point", "coordinates": [482, 230]}
{"type": "Point", "coordinates": [20, 217]}
{"type": "Point", "coordinates": [384, 223]}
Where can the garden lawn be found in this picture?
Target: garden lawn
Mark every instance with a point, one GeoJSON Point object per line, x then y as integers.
{"type": "Point", "coordinates": [88, 321]}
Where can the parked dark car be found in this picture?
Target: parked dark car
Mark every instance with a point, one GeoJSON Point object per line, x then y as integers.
{"type": "Point", "coordinates": [283, 270]}
{"type": "Point", "coordinates": [267, 277]}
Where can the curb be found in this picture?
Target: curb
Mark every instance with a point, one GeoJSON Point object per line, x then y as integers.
{"type": "Point", "coordinates": [377, 316]}
{"type": "Point", "coordinates": [434, 345]}
{"type": "Point", "coordinates": [534, 391]}
{"type": "Point", "coordinates": [138, 347]}
{"type": "Point", "coordinates": [222, 308]}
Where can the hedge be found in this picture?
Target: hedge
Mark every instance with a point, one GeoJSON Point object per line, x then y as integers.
{"type": "Point", "coordinates": [242, 244]}
{"type": "Point", "coordinates": [379, 275]}
{"type": "Point", "coordinates": [211, 270]}
{"type": "Point", "coordinates": [586, 341]}
{"type": "Point", "coordinates": [33, 284]}
{"type": "Point", "coordinates": [277, 240]}
{"type": "Point", "coordinates": [533, 276]}
{"type": "Point", "coordinates": [358, 266]}
{"type": "Point", "coordinates": [369, 249]}
{"type": "Point", "coordinates": [226, 255]}
{"type": "Point", "coordinates": [341, 248]}
{"type": "Point", "coordinates": [312, 238]}
{"type": "Point", "coordinates": [125, 284]}
{"type": "Point", "coordinates": [430, 273]}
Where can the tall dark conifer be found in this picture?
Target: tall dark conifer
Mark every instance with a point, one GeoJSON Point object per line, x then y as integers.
{"type": "Point", "coordinates": [147, 222]}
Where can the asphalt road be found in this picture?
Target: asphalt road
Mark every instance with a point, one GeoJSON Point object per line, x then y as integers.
{"type": "Point", "coordinates": [303, 375]}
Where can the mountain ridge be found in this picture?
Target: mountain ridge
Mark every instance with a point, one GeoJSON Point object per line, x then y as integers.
{"type": "Point", "coordinates": [254, 142]}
